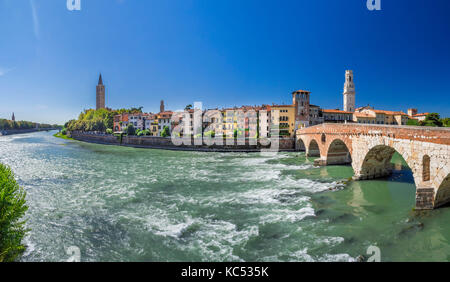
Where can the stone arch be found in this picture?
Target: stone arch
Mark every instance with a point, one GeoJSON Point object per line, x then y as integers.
{"type": "Point", "coordinates": [443, 192]}
{"type": "Point", "coordinates": [426, 168]}
{"type": "Point", "coordinates": [300, 145]}
{"type": "Point", "coordinates": [338, 153]}
{"type": "Point", "coordinates": [377, 163]}
{"type": "Point", "coordinates": [313, 148]}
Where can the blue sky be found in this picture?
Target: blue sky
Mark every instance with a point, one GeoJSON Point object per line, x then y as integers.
{"type": "Point", "coordinates": [220, 52]}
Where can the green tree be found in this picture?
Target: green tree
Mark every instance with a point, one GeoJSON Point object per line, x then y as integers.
{"type": "Point", "coordinates": [412, 122]}
{"type": "Point", "coordinates": [165, 132]}
{"type": "Point", "coordinates": [238, 132]}
{"type": "Point", "coordinates": [130, 130]}
{"type": "Point", "coordinates": [12, 209]}
{"type": "Point", "coordinates": [188, 107]}
{"type": "Point", "coordinates": [446, 122]}
{"type": "Point", "coordinates": [432, 119]}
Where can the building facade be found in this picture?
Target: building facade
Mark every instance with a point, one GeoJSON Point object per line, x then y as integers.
{"type": "Point", "coordinates": [286, 119]}
{"type": "Point", "coordinates": [337, 116]}
{"type": "Point", "coordinates": [315, 115]}
{"type": "Point", "coordinates": [300, 100]}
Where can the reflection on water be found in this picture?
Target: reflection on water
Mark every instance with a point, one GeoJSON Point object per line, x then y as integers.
{"type": "Point", "coordinates": [125, 204]}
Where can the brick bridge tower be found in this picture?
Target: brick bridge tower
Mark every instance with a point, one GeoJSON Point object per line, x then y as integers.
{"type": "Point", "coordinates": [300, 100]}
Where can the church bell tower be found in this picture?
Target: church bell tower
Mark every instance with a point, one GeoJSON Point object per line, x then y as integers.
{"type": "Point", "coordinates": [349, 92]}
{"type": "Point", "coordinates": [100, 94]}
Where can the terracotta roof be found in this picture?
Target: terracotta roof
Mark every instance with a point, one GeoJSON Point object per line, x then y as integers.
{"type": "Point", "coordinates": [336, 111]}
{"type": "Point", "coordinates": [420, 115]}
{"type": "Point", "coordinates": [165, 114]}
{"type": "Point", "coordinates": [283, 106]}
{"type": "Point", "coordinates": [366, 115]}
{"type": "Point", "coordinates": [389, 112]}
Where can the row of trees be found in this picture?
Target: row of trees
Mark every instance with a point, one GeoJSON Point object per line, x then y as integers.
{"type": "Point", "coordinates": [432, 119]}
{"type": "Point", "coordinates": [9, 124]}
{"type": "Point", "coordinates": [97, 120]}
{"type": "Point", "coordinates": [131, 130]}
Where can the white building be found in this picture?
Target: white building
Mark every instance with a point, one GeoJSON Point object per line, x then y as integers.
{"type": "Point", "coordinates": [349, 92]}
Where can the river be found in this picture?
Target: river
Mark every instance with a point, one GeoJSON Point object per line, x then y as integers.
{"type": "Point", "coordinates": [126, 204]}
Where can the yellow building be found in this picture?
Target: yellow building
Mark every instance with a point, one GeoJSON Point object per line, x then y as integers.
{"type": "Point", "coordinates": [364, 117]}
{"type": "Point", "coordinates": [286, 119]}
{"type": "Point", "coordinates": [154, 126]}
{"type": "Point", "coordinates": [229, 118]}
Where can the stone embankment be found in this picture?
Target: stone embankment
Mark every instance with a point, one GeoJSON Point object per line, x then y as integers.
{"type": "Point", "coordinates": [151, 142]}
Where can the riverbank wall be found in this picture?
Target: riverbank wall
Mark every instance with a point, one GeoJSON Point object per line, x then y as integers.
{"type": "Point", "coordinates": [23, 131]}
{"type": "Point", "coordinates": [152, 142]}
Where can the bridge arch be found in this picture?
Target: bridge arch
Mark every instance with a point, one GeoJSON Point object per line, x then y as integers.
{"type": "Point", "coordinates": [313, 149]}
{"type": "Point", "coordinates": [300, 145]}
{"type": "Point", "coordinates": [377, 163]}
{"type": "Point", "coordinates": [443, 192]}
{"type": "Point", "coordinates": [338, 153]}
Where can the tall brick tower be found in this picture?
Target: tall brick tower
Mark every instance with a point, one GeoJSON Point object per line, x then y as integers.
{"type": "Point", "coordinates": [300, 100]}
{"type": "Point", "coordinates": [161, 106]}
{"type": "Point", "coordinates": [349, 92]}
{"type": "Point", "coordinates": [100, 94]}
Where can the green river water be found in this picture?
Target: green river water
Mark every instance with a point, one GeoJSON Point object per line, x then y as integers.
{"type": "Point", "coordinates": [125, 204]}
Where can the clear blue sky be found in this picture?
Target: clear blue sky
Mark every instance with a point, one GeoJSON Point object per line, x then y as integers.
{"type": "Point", "coordinates": [220, 52]}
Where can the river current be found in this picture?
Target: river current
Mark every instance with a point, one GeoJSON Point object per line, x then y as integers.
{"type": "Point", "coordinates": [125, 204]}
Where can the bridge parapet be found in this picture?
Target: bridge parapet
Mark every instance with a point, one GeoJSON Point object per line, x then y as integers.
{"type": "Point", "coordinates": [370, 148]}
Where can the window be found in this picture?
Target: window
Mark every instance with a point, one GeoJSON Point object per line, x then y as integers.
{"type": "Point", "coordinates": [426, 168]}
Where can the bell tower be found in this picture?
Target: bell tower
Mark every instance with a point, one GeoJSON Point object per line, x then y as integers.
{"type": "Point", "coordinates": [100, 94]}
{"type": "Point", "coordinates": [349, 92]}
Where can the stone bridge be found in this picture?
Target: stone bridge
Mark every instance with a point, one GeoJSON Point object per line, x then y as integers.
{"type": "Point", "coordinates": [369, 149]}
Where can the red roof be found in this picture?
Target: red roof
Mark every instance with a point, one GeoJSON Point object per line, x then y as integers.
{"type": "Point", "coordinates": [336, 111]}
{"type": "Point", "coordinates": [389, 112]}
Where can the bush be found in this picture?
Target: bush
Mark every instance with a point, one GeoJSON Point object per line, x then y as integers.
{"type": "Point", "coordinates": [130, 130]}
{"type": "Point", "coordinates": [12, 209]}
{"type": "Point", "coordinates": [210, 134]}
{"type": "Point", "coordinates": [109, 131]}
{"type": "Point", "coordinates": [165, 132]}
{"type": "Point", "coordinates": [64, 131]}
